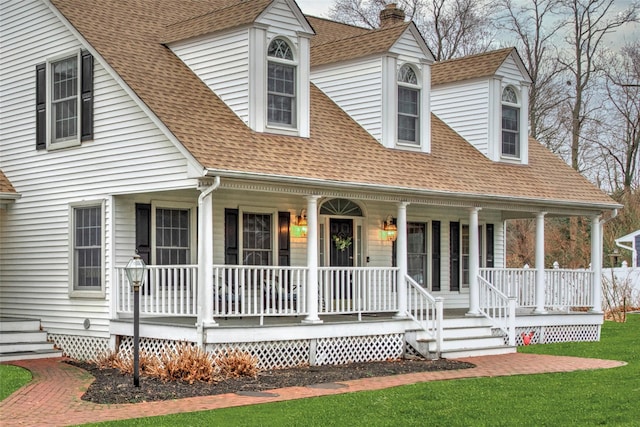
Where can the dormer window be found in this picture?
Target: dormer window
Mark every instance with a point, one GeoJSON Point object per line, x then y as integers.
{"type": "Point", "coordinates": [510, 123]}
{"type": "Point", "coordinates": [408, 106]}
{"type": "Point", "coordinates": [281, 84]}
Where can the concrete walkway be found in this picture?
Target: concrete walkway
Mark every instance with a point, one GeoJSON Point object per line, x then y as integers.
{"type": "Point", "coordinates": [53, 398]}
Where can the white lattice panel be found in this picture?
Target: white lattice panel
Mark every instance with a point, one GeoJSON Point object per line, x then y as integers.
{"type": "Point", "coordinates": [274, 354]}
{"type": "Point", "coordinates": [148, 345]}
{"type": "Point", "coordinates": [80, 347]}
{"type": "Point", "coordinates": [340, 350]}
{"type": "Point", "coordinates": [527, 333]}
{"type": "Point", "coordinates": [571, 333]}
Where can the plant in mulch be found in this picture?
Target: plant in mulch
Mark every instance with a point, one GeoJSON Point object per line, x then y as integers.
{"type": "Point", "coordinates": [236, 363]}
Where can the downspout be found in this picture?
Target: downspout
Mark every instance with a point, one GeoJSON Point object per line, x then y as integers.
{"type": "Point", "coordinates": [205, 266]}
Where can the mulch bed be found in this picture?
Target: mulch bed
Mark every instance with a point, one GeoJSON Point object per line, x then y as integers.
{"type": "Point", "coordinates": [111, 386]}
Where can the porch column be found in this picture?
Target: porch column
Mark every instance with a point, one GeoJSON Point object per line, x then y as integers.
{"type": "Point", "coordinates": [401, 260]}
{"type": "Point", "coordinates": [474, 263]}
{"type": "Point", "coordinates": [596, 263]}
{"type": "Point", "coordinates": [205, 256]}
{"type": "Point", "coordinates": [312, 260]}
{"type": "Point", "coordinates": [540, 291]}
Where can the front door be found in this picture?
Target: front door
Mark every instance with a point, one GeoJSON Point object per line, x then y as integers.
{"type": "Point", "coordinates": [341, 242]}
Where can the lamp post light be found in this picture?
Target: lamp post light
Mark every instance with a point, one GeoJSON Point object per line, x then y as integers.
{"type": "Point", "coordinates": [135, 273]}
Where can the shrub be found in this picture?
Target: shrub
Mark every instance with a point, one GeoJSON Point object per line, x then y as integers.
{"type": "Point", "coordinates": [236, 363]}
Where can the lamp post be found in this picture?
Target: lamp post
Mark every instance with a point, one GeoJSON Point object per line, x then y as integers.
{"type": "Point", "coordinates": [135, 273]}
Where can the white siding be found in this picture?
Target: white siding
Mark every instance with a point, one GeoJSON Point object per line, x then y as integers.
{"type": "Point", "coordinates": [357, 88]}
{"type": "Point", "coordinates": [221, 61]}
{"type": "Point", "coordinates": [407, 48]}
{"type": "Point", "coordinates": [34, 274]}
{"type": "Point", "coordinates": [282, 22]}
{"type": "Point", "coordinates": [510, 72]}
{"type": "Point", "coordinates": [464, 107]}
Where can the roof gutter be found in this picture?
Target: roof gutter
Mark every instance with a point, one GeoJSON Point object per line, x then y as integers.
{"type": "Point", "coordinates": [406, 191]}
{"type": "Point", "coordinates": [209, 190]}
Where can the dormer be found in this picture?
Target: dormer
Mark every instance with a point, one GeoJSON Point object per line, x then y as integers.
{"type": "Point", "coordinates": [381, 77]}
{"type": "Point", "coordinates": [485, 98]}
{"type": "Point", "coordinates": [255, 56]}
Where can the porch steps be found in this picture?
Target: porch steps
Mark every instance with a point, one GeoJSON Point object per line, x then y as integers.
{"type": "Point", "coordinates": [22, 339]}
{"type": "Point", "coordinates": [461, 337]}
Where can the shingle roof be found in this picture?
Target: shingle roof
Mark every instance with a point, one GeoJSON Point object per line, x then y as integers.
{"type": "Point", "coordinates": [469, 67]}
{"type": "Point", "coordinates": [5, 184]}
{"type": "Point", "coordinates": [338, 149]}
{"type": "Point", "coordinates": [328, 31]}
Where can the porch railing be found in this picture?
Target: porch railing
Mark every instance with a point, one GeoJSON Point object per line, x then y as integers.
{"type": "Point", "coordinates": [564, 289]}
{"type": "Point", "coordinates": [499, 308]}
{"type": "Point", "coordinates": [357, 290]}
{"type": "Point", "coordinates": [168, 290]}
{"type": "Point", "coordinates": [426, 310]}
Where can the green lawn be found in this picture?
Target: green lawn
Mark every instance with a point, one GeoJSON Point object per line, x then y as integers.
{"type": "Point", "coordinates": [11, 379]}
{"type": "Point", "coordinates": [585, 398]}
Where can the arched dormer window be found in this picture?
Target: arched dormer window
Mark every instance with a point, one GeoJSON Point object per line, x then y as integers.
{"type": "Point", "coordinates": [408, 106]}
{"type": "Point", "coordinates": [281, 84]}
{"type": "Point", "coordinates": [510, 123]}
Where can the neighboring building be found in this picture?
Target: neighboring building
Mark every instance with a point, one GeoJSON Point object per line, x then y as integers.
{"type": "Point", "coordinates": [302, 189]}
{"type": "Point", "coordinates": [631, 242]}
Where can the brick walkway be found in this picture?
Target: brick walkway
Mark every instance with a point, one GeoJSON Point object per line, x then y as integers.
{"type": "Point", "coordinates": [53, 397]}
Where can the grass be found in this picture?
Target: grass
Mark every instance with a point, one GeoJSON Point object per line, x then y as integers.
{"type": "Point", "coordinates": [11, 379]}
{"type": "Point", "coordinates": [585, 398]}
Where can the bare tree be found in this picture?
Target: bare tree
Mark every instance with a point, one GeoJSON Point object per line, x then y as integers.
{"type": "Point", "coordinates": [451, 28]}
{"type": "Point", "coordinates": [535, 24]}
{"type": "Point", "coordinates": [590, 21]}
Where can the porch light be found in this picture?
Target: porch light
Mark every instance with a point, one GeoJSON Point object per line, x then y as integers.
{"type": "Point", "coordinates": [299, 229]}
{"type": "Point", "coordinates": [390, 231]}
{"type": "Point", "coordinates": [135, 273]}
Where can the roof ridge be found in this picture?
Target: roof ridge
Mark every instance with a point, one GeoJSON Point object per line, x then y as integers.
{"type": "Point", "coordinates": [238, 2]}
{"type": "Point", "coordinates": [475, 55]}
{"type": "Point", "coordinates": [370, 32]}
{"type": "Point", "coordinates": [338, 22]}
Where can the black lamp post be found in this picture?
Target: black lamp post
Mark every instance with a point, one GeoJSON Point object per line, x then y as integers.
{"type": "Point", "coordinates": [135, 272]}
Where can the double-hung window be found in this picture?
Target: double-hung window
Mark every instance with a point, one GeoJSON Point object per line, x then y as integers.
{"type": "Point", "coordinates": [257, 239]}
{"type": "Point", "coordinates": [87, 250]}
{"type": "Point", "coordinates": [408, 106]}
{"type": "Point", "coordinates": [64, 101]}
{"type": "Point", "coordinates": [173, 236]}
{"type": "Point", "coordinates": [510, 123]}
{"type": "Point", "coordinates": [281, 84]}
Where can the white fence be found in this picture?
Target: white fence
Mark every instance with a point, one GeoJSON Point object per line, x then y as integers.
{"type": "Point", "coordinates": [621, 286]}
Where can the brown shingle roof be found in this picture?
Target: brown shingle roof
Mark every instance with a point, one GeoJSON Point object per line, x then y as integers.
{"type": "Point", "coordinates": [468, 67]}
{"type": "Point", "coordinates": [338, 150]}
{"type": "Point", "coordinates": [5, 184]}
{"type": "Point", "coordinates": [328, 31]}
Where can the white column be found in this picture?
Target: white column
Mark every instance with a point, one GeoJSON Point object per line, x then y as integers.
{"type": "Point", "coordinates": [205, 259]}
{"type": "Point", "coordinates": [540, 296]}
{"type": "Point", "coordinates": [312, 260]}
{"type": "Point", "coordinates": [401, 260]}
{"type": "Point", "coordinates": [474, 263]}
{"type": "Point", "coordinates": [596, 263]}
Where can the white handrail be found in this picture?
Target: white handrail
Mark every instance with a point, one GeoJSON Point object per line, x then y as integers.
{"type": "Point", "coordinates": [499, 308]}
{"type": "Point", "coordinates": [426, 310]}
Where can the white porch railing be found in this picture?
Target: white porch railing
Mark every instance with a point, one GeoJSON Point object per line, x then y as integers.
{"type": "Point", "coordinates": [357, 290]}
{"type": "Point", "coordinates": [426, 310]}
{"type": "Point", "coordinates": [564, 289]}
{"type": "Point", "coordinates": [168, 290]}
{"type": "Point", "coordinates": [259, 291]}
{"type": "Point", "coordinates": [499, 308]}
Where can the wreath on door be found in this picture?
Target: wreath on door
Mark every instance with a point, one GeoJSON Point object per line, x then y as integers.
{"type": "Point", "coordinates": [342, 241]}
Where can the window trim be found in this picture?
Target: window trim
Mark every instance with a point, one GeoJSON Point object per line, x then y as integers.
{"type": "Point", "coordinates": [193, 227]}
{"type": "Point", "coordinates": [283, 127]}
{"type": "Point", "coordinates": [482, 262]}
{"type": "Point", "coordinates": [86, 293]}
{"type": "Point", "coordinates": [517, 107]}
{"type": "Point", "coordinates": [68, 142]}
{"type": "Point", "coordinates": [418, 89]}
{"type": "Point", "coordinates": [261, 210]}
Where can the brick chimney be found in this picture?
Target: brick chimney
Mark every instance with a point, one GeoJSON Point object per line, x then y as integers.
{"type": "Point", "coordinates": [391, 15]}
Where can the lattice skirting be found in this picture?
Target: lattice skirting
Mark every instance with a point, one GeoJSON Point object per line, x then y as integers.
{"type": "Point", "coordinates": [554, 334]}
{"type": "Point", "coordinates": [285, 354]}
{"type": "Point", "coordinates": [80, 347]}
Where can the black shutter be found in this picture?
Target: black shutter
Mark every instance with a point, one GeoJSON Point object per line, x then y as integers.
{"type": "Point", "coordinates": [284, 242]}
{"type": "Point", "coordinates": [490, 246]}
{"type": "Point", "coordinates": [143, 232]}
{"type": "Point", "coordinates": [231, 236]}
{"type": "Point", "coordinates": [41, 106]}
{"type": "Point", "coordinates": [86, 115]}
{"type": "Point", "coordinates": [454, 257]}
{"type": "Point", "coordinates": [435, 255]}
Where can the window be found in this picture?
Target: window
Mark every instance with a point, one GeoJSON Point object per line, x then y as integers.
{"type": "Point", "coordinates": [87, 248]}
{"type": "Point", "coordinates": [257, 240]}
{"type": "Point", "coordinates": [408, 105]}
{"type": "Point", "coordinates": [173, 236]}
{"type": "Point", "coordinates": [464, 247]}
{"type": "Point", "coordinates": [510, 123]}
{"type": "Point", "coordinates": [281, 84]}
{"type": "Point", "coordinates": [417, 252]}
{"type": "Point", "coordinates": [64, 101]}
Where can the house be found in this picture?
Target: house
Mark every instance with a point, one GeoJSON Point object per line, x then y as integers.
{"type": "Point", "coordinates": [632, 239]}
{"type": "Point", "coordinates": [308, 191]}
